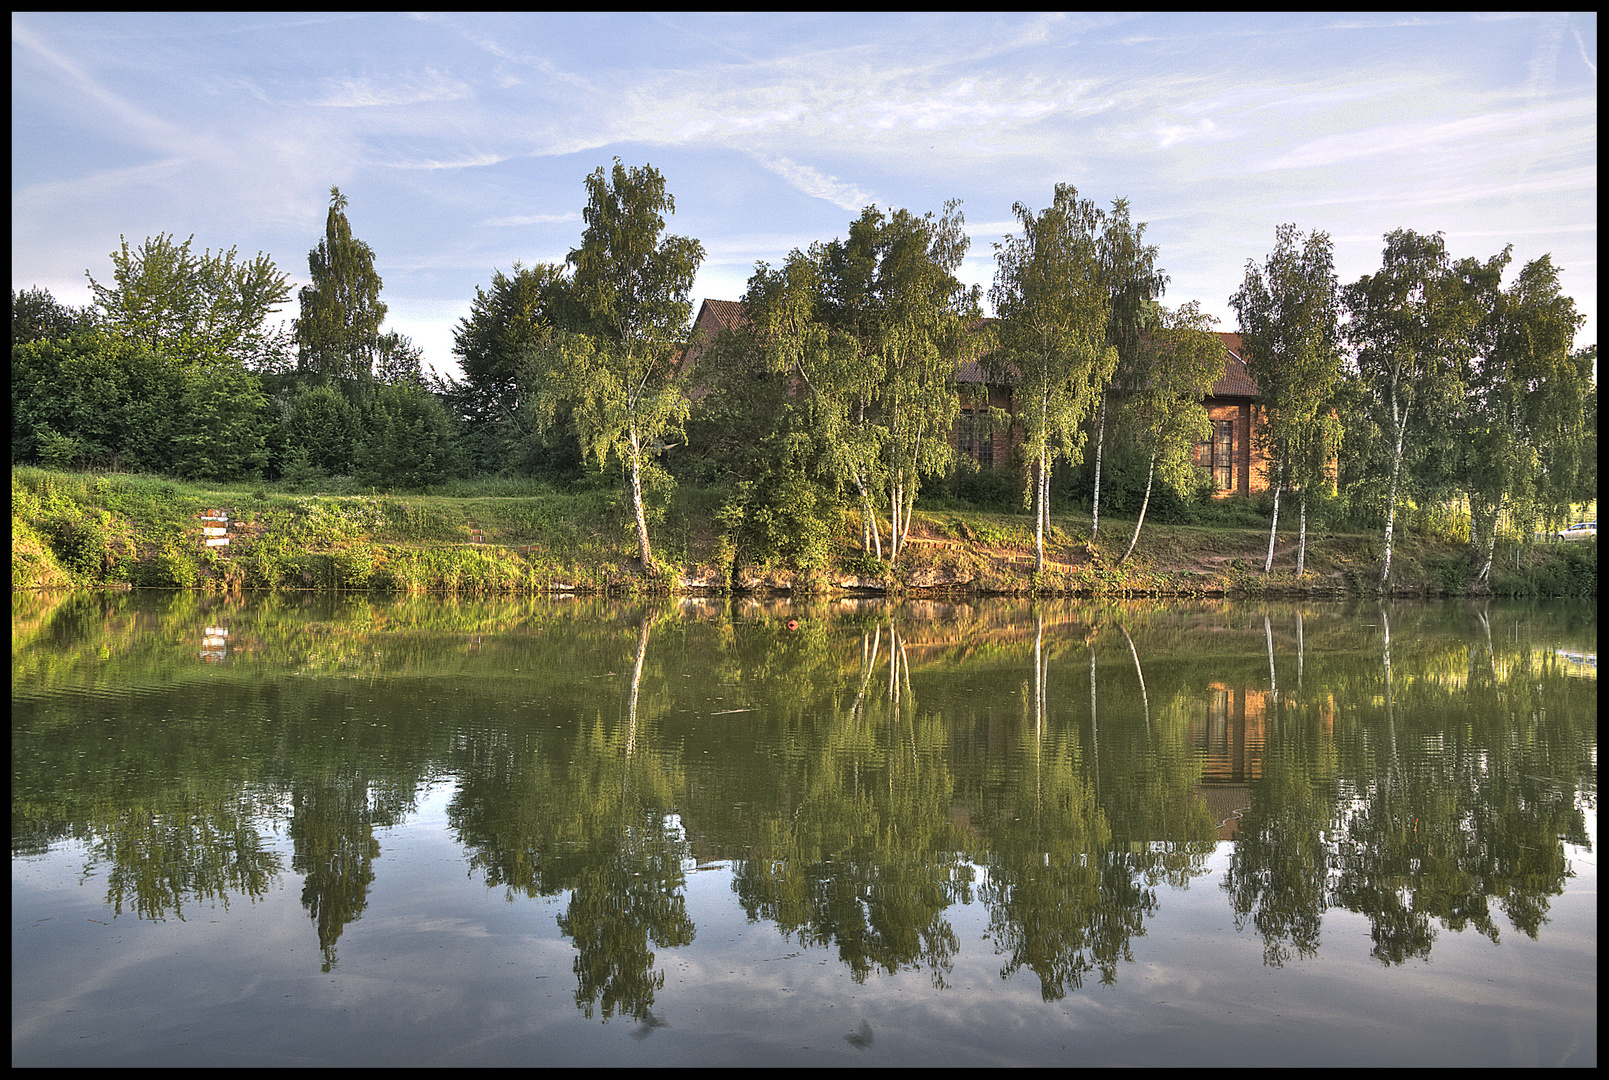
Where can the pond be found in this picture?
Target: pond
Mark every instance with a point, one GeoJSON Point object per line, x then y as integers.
{"type": "Point", "coordinates": [318, 830]}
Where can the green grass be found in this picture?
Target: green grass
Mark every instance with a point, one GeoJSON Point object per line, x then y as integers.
{"type": "Point", "coordinates": [496, 536]}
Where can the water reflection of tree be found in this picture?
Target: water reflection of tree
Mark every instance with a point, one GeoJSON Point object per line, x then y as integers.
{"type": "Point", "coordinates": [1445, 791]}
{"type": "Point", "coordinates": [1074, 848]}
{"type": "Point", "coordinates": [593, 816]}
{"type": "Point", "coordinates": [334, 847]}
{"type": "Point", "coordinates": [867, 860]}
{"type": "Point", "coordinates": [183, 849]}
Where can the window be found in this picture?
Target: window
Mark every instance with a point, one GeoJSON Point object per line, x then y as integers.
{"type": "Point", "coordinates": [974, 437]}
{"type": "Point", "coordinates": [1223, 455]}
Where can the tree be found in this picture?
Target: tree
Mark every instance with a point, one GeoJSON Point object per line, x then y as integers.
{"type": "Point", "coordinates": [38, 316]}
{"type": "Point", "coordinates": [398, 361]}
{"type": "Point", "coordinates": [506, 325]}
{"type": "Point", "coordinates": [1134, 283]}
{"type": "Point", "coordinates": [1289, 325]}
{"type": "Point", "coordinates": [407, 439]}
{"type": "Point", "coordinates": [1177, 363]}
{"type": "Point", "coordinates": [95, 399]}
{"type": "Point", "coordinates": [322, 426]}
{"type": "Point", "coordinates": [900, 322]}
{"type": "Point", "coordinates": [1051, 299]}
{"type": "Point", "coordinates": [337, 334]}
{"type": "Point", "coordinates": [224, 427]}
{"type": "Point", "coordinates": [620, 375]}
{"type": "Point", "coordinates": [167, 297]}
{"type": "Point", "coordinates": [1411, 323]}
{"type": "Point", "coordinates": [1526, 404]}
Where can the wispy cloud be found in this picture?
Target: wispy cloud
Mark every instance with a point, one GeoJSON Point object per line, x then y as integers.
{"type": "Point", "coordinates": [370, 93]}
{"type": "Point", "coordinates": [819, 185]}
{"type": "Point", "coordinates": [1422, 137]}
{"type": "Point", "coordinates": [529, 219]}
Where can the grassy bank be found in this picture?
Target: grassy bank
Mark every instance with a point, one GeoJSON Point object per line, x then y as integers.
{"type": "Point", "coordinates": [88, 530]}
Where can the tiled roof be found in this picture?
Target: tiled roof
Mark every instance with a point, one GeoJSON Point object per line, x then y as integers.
{"type": "Point", "coordinates": [727, 313]}
{"type": "Point", "coordinates": [1235, 381]}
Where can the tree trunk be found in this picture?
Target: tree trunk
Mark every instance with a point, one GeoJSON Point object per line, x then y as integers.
{"type": "Point", "coordinates": [645, 554]}
{"type": "Point", "coordinates": [1039, 514]}
{"type": "Point", "coordinates": [1391, 511]}
{"type": "Point", "coordinates": [895, 529]}
{"type": "Point", "coordinates": [1150, 472]}
{"type": "Point", "coordinates": [1273, 530]}
{"type": "Point", "coordinates": [1301, 544]}
{"type": "Point", "coordinates": [1100, 441]}
{"type": "Point", "coordinates": [1491, 544]}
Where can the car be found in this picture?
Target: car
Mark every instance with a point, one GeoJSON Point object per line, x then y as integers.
{"type": "Point", "coordinates": [1581, 530]}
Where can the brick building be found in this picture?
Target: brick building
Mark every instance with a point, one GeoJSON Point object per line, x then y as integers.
{"type": "Point", "coordinates": [1229, 457]}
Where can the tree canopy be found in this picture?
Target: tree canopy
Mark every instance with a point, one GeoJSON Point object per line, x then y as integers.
{"type": "Point", "coordinates": [169, 298]}
{"type": "Point", "coordinates": [619, 374]}
{"type": "Point", "coordinates": [338, 331]}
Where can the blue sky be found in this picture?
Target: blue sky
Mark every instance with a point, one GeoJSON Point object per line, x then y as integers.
{"type": "Point", "coordinates": [462, 141]}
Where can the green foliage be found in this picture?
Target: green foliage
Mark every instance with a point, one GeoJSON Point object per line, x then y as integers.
{"type": "Point", "coordinates": [787, 518]}
{"type": "Point", "coordinates": [117, 401]}
{"type": "Point", "coordinates": [38, 316]}
{"type": "Point", "coordinates": [619, 377]}
{"type": "Point", "coordinates": [226, 424]}
{"type": "Point", "coordinates": [338, 331]}
{"type": "Point", "coordinates": [407, 442]}
{"type": "Point", "coordinates": [173, 300]}
{"type": "Point", "coordinates": [322, 425]}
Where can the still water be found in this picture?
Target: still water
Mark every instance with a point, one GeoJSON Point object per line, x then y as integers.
{"type": "Point", "coordinates": [339, 831]}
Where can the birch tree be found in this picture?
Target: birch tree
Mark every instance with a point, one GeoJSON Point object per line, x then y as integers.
{"type": "Point", "coordinates": [1289, 314]}
{"type": "Point", "coordinates": [891, 287]}
{"type": "Point", "coordinates": [1134, 283]}
{"type": "Point", "coordinates": [620, 375]}
{"type": "Point", "coordinates": [1051, 299]}
{"type": "Point", "coordinates": [1177, 363]}
{"type": "Point", "coordinates": [1411, 324]}
{"type": "Point", "coordinates": [1527, 403]}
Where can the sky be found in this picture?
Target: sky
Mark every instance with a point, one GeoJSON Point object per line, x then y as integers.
{"type": "Point", "coordinates": [462, 141]}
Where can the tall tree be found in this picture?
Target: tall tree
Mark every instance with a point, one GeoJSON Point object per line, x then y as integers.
{"type": "Point", "coordinates": [506, 324]}
{"type": "Point", "coordinates": [1527, 403]}
{"type": "Point", "coordinates": [1289, 312]}
{"type": "Point", "coordinates": [620, 375]}
{"type": "Point", "coordinates": [1134, 283]}
{"type": "Point", "coordinates": [337, 334]}
{"type": "Point", "coordinates": [1051, 299]}
{"type": "Point", "coordinates": [1411, 324]}
{"type": "Point", "coordinates": [899, 321]}
{"type": "Point", "coordinates": [169, 298]}
{"type": "Point", "coordinates": [1177, 362]}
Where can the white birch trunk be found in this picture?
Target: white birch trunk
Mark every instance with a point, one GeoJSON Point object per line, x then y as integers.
{"type": "Point", "coordinates": [645, 555]}
{"type": "Point", "coordinates": [1391, 511]}
{"type": "Point", "coordinates": [1273, 530]}
{"type": "Point", "coordinates": [1301, 544]}
{"type": "Point", "coordinates": [1100, 441]}
{"type": "Point", "coordinates": [1150, 473]}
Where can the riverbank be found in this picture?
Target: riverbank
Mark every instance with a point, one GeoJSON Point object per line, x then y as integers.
{"type": "Point", "coordinates": [81, 530]}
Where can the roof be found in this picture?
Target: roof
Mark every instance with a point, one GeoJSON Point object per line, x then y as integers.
{"type": "Point", "coordinates": [1235, 381]}
{"type": "Point", "coordinates": [728, 314]}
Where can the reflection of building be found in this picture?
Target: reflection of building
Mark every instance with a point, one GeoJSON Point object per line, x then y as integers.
{"type": "Point", "coordinates": [214, 644]}
{"type": "Point", "coordinates": [1230, 734]}
{"type": "Point", "coordinates": [1231, 737]}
